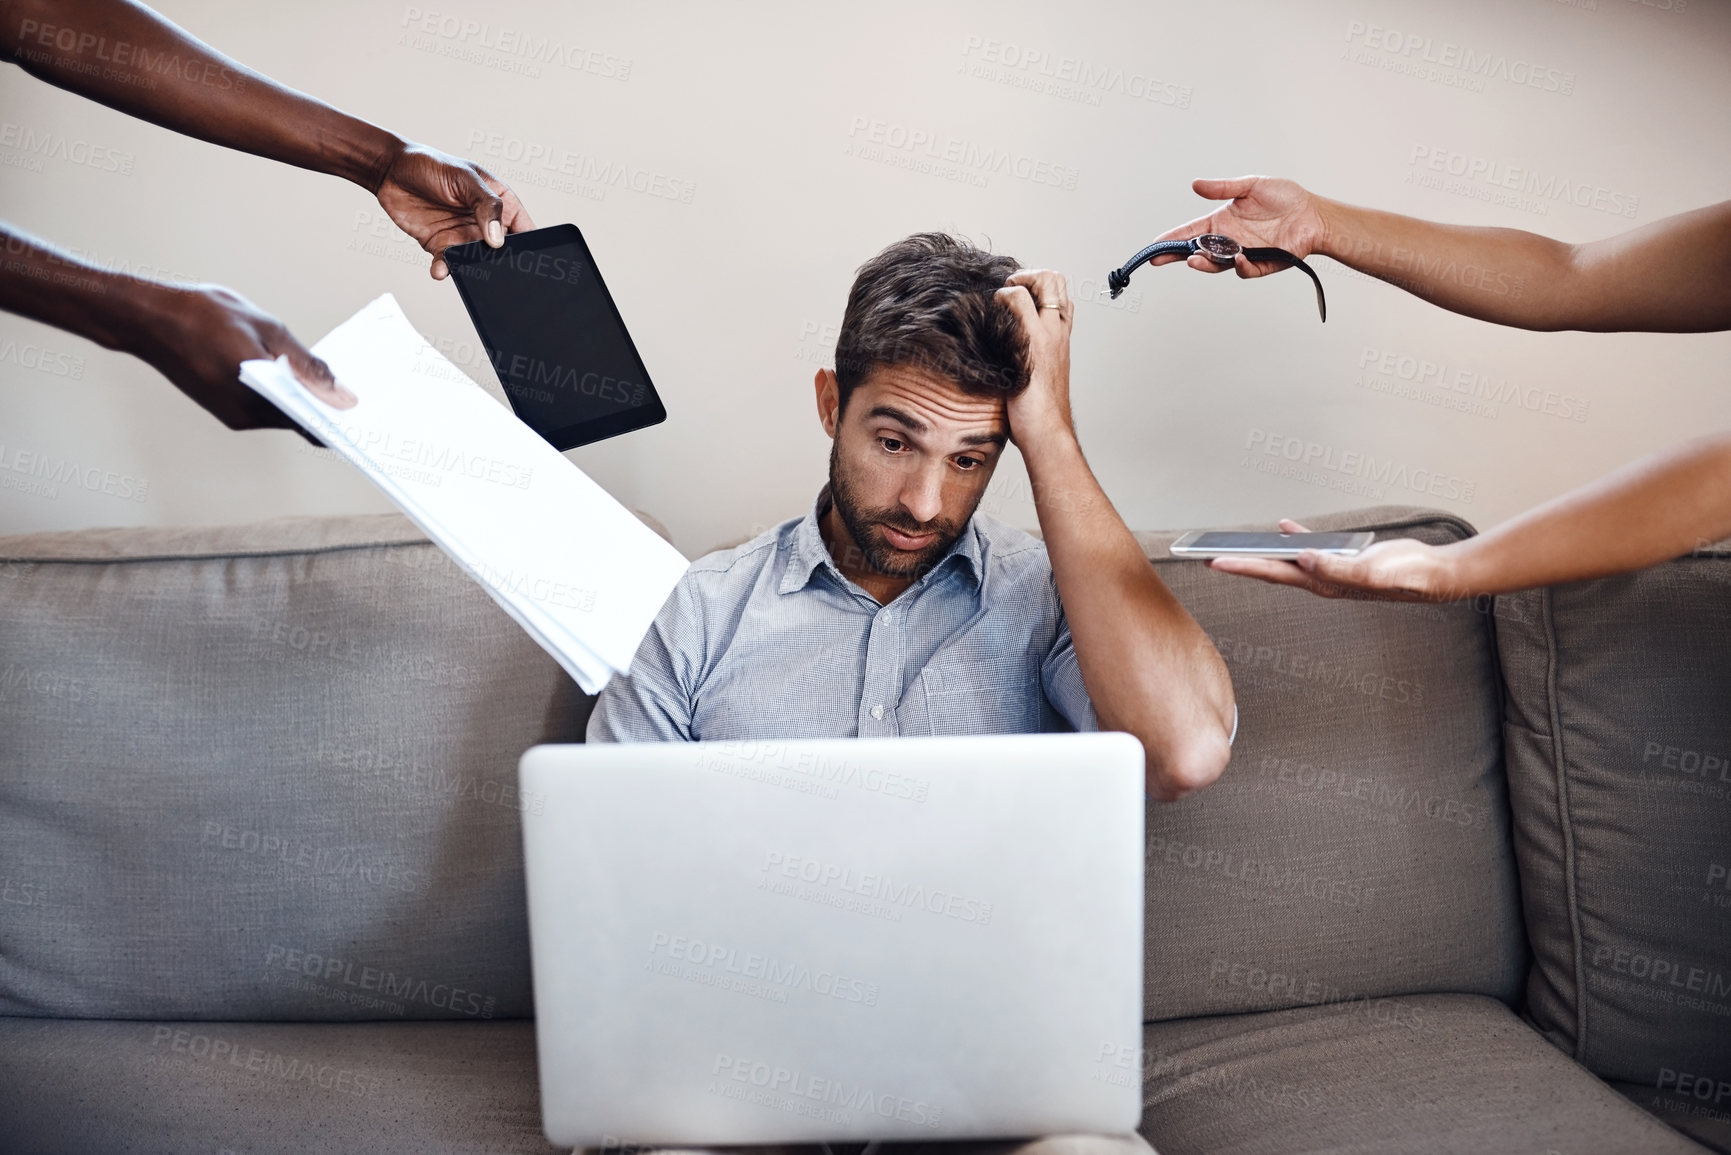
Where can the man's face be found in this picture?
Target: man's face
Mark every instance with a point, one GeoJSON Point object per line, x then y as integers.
{"type": "Point", "coordinates": [911, 460]}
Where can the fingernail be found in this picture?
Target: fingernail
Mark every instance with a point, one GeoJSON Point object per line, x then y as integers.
{"type": "Point", "coordinates": [342, 394]}
{"type": "Point", "coordinates": [495, 233]}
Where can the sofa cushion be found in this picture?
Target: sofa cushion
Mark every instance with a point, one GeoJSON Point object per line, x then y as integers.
{"type": "Point", "coordinates": [1358, 842]}
{"type": "Point", "coordinates": [1698, 1107]}
{"type": "Point", "coordinates": [1422, 1073]}
{"type": "Point", "coordinates": [263, 772]}
{"type": "Point", "coordinates": [82, 1085]}
{"type": "Point", "coordinates": [1619, 747]}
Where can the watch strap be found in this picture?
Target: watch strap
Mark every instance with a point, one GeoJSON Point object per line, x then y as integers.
{"type": "Point", "coordinates": [1285, 257]}
{"type": "Point", "coordinates": [1118, 279]}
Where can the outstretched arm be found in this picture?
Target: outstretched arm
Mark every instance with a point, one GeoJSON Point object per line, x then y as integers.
{"type": "Point", "coordinates": [1656, 509]}
{"type": "Point", "coordinates": [1148, 667]}
{"type": "Point", "coordinates": [126, 56]}
{"type": "Point", "coordinates": [1671, 276]}
{"type": "Point", "coordinates": [195, 335]}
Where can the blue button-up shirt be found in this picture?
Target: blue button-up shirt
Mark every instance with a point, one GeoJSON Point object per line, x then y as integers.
{"type": "Point", "coordinates": [769, 641]}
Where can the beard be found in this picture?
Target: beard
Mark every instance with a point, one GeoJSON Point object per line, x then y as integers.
{"type": "Point", "coordinates": [864, 526]}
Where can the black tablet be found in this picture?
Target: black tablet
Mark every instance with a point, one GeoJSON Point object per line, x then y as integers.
{"type": "Point", "coordinates": [554, 336]}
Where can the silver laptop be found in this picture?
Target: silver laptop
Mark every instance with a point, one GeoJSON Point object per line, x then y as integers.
{"type": "Point", "coordinates": [768, 942]}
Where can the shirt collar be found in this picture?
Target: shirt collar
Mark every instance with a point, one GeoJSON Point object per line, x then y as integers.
{"type": "Point", "coordinates": [807, 553]}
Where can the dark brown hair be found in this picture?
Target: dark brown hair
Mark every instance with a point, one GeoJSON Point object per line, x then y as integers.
{"type": "Point", "coordinates": [926, 302]}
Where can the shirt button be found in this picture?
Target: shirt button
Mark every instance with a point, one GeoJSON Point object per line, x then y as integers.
{"type": "Point", "coordinates": [878, 712]}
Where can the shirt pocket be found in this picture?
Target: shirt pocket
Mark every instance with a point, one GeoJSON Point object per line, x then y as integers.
{"type": "Point", "coordinates": [989, 696]}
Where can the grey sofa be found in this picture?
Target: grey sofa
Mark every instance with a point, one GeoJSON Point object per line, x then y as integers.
{"type": "Point", "coordinates": [1462, 888]}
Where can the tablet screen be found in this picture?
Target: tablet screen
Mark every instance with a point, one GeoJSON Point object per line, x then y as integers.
{"type": "Point", "coordinates": [554, 336]}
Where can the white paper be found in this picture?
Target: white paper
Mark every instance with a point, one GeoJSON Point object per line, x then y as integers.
{"type": "Point", "coordinates": [577, 570]}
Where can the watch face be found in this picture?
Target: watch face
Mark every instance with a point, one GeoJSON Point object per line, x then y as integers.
{"type": "Point", "coordinates": [1218, 248]}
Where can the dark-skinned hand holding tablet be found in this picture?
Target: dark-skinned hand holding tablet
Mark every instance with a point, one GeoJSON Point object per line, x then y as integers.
{"type": "Point", "coordinates": [555, 337]}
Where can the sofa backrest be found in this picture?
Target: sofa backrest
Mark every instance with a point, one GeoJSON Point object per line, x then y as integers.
{"type": "Point", "coordinates": [1619, 750]}
{"type": "Point", "coordinates": [265, 772]}
{"type": "Point", "coordinates": [270, 772]}
{"type": "Point", "coordinates": [1358, 844]}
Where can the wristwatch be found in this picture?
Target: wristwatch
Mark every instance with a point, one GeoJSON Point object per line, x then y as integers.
{"type": "Point", "coordinates": [1221, 250]}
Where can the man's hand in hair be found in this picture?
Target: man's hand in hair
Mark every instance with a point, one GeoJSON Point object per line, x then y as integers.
{"type": "Point", "coordinates": [1040, 298]}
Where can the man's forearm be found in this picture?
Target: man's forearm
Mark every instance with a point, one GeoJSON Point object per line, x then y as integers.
{"type": "Point", "coordinates": [1670, 276]}
{"type": "Point", "coordinates": [1148, 667]}
{"type": "Point", "coordinates": [129, 58]}
{"type": "Point", "coordinates": [1656, 509]}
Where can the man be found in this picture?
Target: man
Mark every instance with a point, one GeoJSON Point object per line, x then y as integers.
{"type": "Point", "coordinates": [1670, 276]}
{"type": "Point", "coordinates": [892, 607]}
{"type": "Point", "coordinates": [126, 56]}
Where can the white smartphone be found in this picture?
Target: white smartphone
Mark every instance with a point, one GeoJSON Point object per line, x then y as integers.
{"type": "Point", "coordinates": [1215, 543]}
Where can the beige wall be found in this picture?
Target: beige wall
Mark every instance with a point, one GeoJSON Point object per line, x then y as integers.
{"type": "Point", "coordinates": [750, 115]}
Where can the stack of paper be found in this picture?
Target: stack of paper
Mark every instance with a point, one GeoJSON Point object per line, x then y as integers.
{"type": "Point", "coordinates": [575, 568]}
